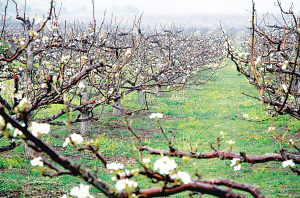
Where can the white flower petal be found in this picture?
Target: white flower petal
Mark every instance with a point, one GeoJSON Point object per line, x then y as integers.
{"type": "Point", "coordinates": [37, 162]}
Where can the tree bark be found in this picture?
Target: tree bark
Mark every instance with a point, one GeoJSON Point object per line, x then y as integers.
{"type": "Point", "coordinates": [141, 97]}
{"type": "Point", "coordinates": [30, 57]}
{"type": "Point", "coordinates": [85, 126]}
{"type": "Point", "coordinates": [117, 112]}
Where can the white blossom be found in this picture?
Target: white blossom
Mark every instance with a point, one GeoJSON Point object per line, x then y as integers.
{"type": "Point", "coordinates": [64, 196]}
{"type": "Point", "coordinates": [127, 172]}
{"type": "Point", "coordinates": [146, 160]}
{"type": "Point", "coordinates": [235, 163]}
{"type": "Point", "coordinates": [76, 138]}
{"type": "Point", "coordinates": [230, 142]}
{"type": "Point", "coordinates": [9, 126]}
{"type": "Point", "coordinates": [125, 183]}
{"type": "Point", "coordinates": [65, 58]}
{"type": "Point", "coordinates": [292, 142]}
{"type": "Point", "coordinates": [182, 176]}
{"type": "Point", "coordinates": [18, 96]}
{"type": "Point", "coordinates": [156, 115]}
{"type": "Point", "coordinates": [110, 91]}
{"type": "Point", "coordinates": [114, 166]}
{"type": "Point", "coordinates": [2, 122]}
{"type": "Point", "coordinates": [128, 52]}
{"type": "Point", "coordinates": [37, 129]}
{"type": "Point", "coordinates": [238, 167]}
{"type": "Point", "coordinates": [37, 162]}
{"type": "Point", "coordinates": [81, 192]}
{"type": "Point", "coordinates": [284, 87]}
{"type": "Point", "coordinates": [43, 85]}
{"type": "Point", "coordinates": [81, 85]}
{"type": "Point", "coordinates": [45, 39]}
{"type": "Point", "coordinates": [164, 165]}
{"type": "Point", "coordinates": [121, 174]}
{"type": "Point", "coordinates": [288, 163]}
{"type": "Point", "coordinates": [245, 116]}
{"type": "Point", "coordinates": [17, 132]}
{"type": "Point", "coordinates": [257, 60]}
{"type": "Point", "coordinates": [270, 129]}
{"type": "Point", "coordinates": [24, 103]}
{"type": "Point", "coordinates": [285, 64]}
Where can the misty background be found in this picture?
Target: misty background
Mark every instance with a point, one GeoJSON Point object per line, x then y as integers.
{"type": "Point", "coordinates": [192, 15]}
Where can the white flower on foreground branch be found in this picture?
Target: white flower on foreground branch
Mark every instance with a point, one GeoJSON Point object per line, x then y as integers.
{"type": "Point", "coordinates": [126, 184]}
{"type": "Point", "coordinates": [156, 115]}
{"type": "Point", "coordinates": [164, 165]}
{"type": "Point", "coordinates": [81, 192]}
{"type": "Point", "coordinates": [24, 103]}
{"type": "Point", "coordinates": [288, 163]}
{"type": "Point", "coordinates": [182, 176]}
{"type": "Point", "coordinates": [76, 138]}
{"type": "Point", "coordinates": [37, 129]}
{"type": "Point", "coordinates": [37, 162]}
{"type": "Point", "coordinates": [2, 123]}
{"type": "Point", "coordinates": [235, 163]}
{"type": "Point", "coordinates": [17, 132]}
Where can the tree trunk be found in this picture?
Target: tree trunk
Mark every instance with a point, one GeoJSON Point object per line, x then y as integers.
{"type": "Point", "coordinates": [39, 73]}
{"type": "Point", "coordinates": [85, 126]}
{"type": "Point", "coordinates": [158, 90]}
{"type": "Point", "coordinates": [30, 56]}
{"type": "Point", "coordinates": [117, 112]}
{"type": "Point", "coordinates": [28, 153]}
{"type": "Point", "coordinates": [141, 97]}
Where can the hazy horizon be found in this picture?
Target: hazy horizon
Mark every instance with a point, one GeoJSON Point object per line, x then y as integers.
{"type": "Point", "coordinates": [166, 7]}
{"type": "Point", "coordinates": [195, 14]}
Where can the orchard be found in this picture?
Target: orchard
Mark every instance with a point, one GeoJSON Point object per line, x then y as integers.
{"type": "Point", "coordinates": [106, 109]}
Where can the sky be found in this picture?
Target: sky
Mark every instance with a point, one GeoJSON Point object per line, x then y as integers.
{"type": "Point", "coordinates": [165, 7]}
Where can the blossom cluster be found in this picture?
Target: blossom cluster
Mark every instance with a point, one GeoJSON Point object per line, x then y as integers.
{"type": "Point", "coordinates": [235, 163]}
{"type": "Point", "coordinates": [76, 138]}
{"type": "Point", "coordinates": [156, 115]}
{"type": "Point", "coordinates": [288, 163]}
{"type": "Point", "coordinates": [81, 192]}
{"type": "Point", "coordinates": [163, 165]}
{"type": "Point", "coordinates": [38, 129]}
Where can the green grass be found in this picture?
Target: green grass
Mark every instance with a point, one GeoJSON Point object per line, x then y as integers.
{"type": "Point", "coordinates": [196, 115]}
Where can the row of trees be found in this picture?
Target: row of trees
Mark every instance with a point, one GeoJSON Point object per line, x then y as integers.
{"type": "Point", "coordinates": [269, 58]}
{"type": "Point", "coordinates": [84, 67]}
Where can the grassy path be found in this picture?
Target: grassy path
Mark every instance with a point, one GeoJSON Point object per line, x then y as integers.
{"type": "Point", "coordinates": [202, 112]}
